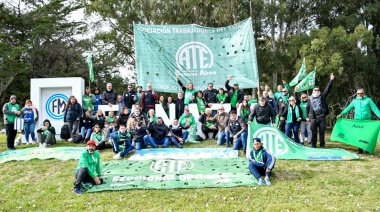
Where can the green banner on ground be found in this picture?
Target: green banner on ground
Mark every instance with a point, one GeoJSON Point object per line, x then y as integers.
{"type": "Point", "coordinates": [360, 133]}
{"type": "Point", "coordinates": [174, 173]}
{"type": "Point", "coordinates": [197, 54]}
{"type": "Point", "coordinates": [60, 153]}
{"type": "Point", "coordinates": [284, 148]}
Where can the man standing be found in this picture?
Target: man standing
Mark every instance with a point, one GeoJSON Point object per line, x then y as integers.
{"type": "Point", "coordinates": [189, 91]}
{"type": "Point", "coordinates": [263, 112]}
{"type": "Point", "coordinates": [316, 110]}
{"type": "Point", "coordinates": [281, 91]}
{"type": "Point", "coordinates": [261, 162]}
{"type": "Point", "coordinates": [159, 133]}
{"type": "Point", "coordinates": [238, 130]}
{"type": "Point", "coordinates": [305, 125]}
{"type": "Point", "coordinates": [109, 96]}
{"type": "Point", "coordinates": [138, 94]}
{"type": "Point", "coordinates": [234, 93]}
{"type": "Point", "coordinates": [129, 98]}
{"type": "Point", "coordinates": [209, 95]}
{"type": "Point", "coordinates": [148, 98]}
{"type": "Point", "coordinates": [11, 110]}
{"type": "Point", "coordinates": [270, 100]}
{"type": "Point", "coordinates": [88, 169]}
{"type": "Point", "coordinates": [363, 106]}
{"type": "Point", "coordinates": [179, 105]}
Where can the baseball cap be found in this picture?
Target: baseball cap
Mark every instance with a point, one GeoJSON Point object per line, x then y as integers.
{"type": "Point", "coordinates": [186, 107]}
{"type": "Point", "coordinates": [13, 96]}
{"type": "Point", "coordinates": [236, 83]}
{"type": "Point", "coordinates": [257, 140]}
{"type": "Point", "coordinates": [91, 142]}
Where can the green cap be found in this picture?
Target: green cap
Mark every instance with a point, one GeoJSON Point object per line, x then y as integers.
{"type": "Point", "coordinates": [236, 83]}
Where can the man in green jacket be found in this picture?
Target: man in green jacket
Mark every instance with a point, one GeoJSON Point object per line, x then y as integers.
{"type": "Point", "coordinates": [88, 169]}
{"type": "Point", "coordinates": [363, 106]}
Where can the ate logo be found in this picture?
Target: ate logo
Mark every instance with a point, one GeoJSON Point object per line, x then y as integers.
{"type": "Point", "coordinates": [272, 140]}
{"type": "Point", "coordinates": [194, 56]}
{"type": "Point", "coordinates": [171, 166]}
{"type": "Point", "coordinates": [55, 106]}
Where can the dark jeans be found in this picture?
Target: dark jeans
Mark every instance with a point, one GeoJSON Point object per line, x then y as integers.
{"type": "Point", "coordinates": [319, 123]}
{"type": "Point", "coordinates": [257, 171]}
{"type": "Point", "coordinates": [82, 176]}
{"type": "Point", "coordinates": [281, 126]}
{"type": "Point", "coordinates": [11, 135]}
{"type": "Point", "coordinates": [207, 130]}
{"type": "Point", "coordinates": [293, 127]}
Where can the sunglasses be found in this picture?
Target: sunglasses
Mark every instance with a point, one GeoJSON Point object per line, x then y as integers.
{"type": "Point", "coordinates": [220, 109]}
{"type": "Point", "coordinates": [359, 93]}
{"type": "Point", "coordinates": [97, 127]}
{"type": "Point", "coordinates": [291, 100]}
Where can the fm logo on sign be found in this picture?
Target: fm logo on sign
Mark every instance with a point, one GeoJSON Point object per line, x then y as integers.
{"type": "Point", "coordinates": [194, 56]}
{"type": "Point", "coordinates": [55, 106]}
{"type": "Point", "coordinates": [171, 166]}
{"type": "Point", "coordinates": [272, 140]}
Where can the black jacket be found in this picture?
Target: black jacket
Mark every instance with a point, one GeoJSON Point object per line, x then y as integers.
{"type": "Point", "coordinates": [109, 97]}
{"type": "Point", "coordinates": [179, 107]}
{"type": "Point", "coordinates": [157, 131]}
{"type": "Point", "coordinates": [138, 134]}
{"type": "Point", "coordinates": [323, 96]}
{"type": "Point", "coordinates": [231, 90]}
{"type": "Point", "coordinates": [128, 99]}
{"type": "Point", "coordinates": [210, 96]}
{"type": "Point", "coordinates": [263, 114]}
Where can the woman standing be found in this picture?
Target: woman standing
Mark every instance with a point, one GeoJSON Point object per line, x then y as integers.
{"type": "Point", "coordinates": [72, 116]}
{"type": "Point", "coordinates": [292, 116]}
{"type": "Point", "coordinates": [30, 114]}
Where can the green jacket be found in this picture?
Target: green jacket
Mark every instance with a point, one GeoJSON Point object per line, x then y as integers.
{"type": "Point", "coordinates": [186, 118]}
{"type": "Point", "coordinates": [362, 108]}
{"type": "Point", "coordinates": [88, 101]}
{"type": "Point", "coordinates": [91, 161]}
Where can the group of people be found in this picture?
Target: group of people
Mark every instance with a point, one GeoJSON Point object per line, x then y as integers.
{"type": "Point", "coordinates": [127, 129]}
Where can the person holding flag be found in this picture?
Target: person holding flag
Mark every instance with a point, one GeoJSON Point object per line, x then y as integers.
{"type": "Point", "coordinates": [363, 106]}
{"type": "Point", "coordinates": [316, 110]}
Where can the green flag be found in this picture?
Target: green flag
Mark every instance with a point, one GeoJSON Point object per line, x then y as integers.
{"type": "Point", "coordinates": [363, 134]}
{"type": "Point", "coordinates": [301, 74]}
{"type": "Point", "coordinates": [174, 173]}
{"type": "Point", "coordinates": [283, 147]}
{"type": "Point", "coordinates": [196, 54]}
{"type": "Point", "coordinates": [307, 83]}
{"type": "Point", "coordinates": [90, 68]}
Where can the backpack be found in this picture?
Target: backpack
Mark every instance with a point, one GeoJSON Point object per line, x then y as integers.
{"type": "Point", "coordinates": [77, 138]}
{"type": "Point", "coordinates": [65, 132]}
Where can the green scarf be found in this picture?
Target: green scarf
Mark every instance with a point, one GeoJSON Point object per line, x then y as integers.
{"type": "Point", "coordinates": [290, 113]}
{"type": "Point", "coordinates": [259, 156]}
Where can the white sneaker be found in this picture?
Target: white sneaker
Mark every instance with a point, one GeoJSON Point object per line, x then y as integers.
{"type": "Point", "coordinates": [34, 142]}
{"type": "Point", "coordinates": [44, 145]}
{"type": "Point", "coordinates": [70, 140]}
{"type": "Point", "coordinates": [40, 145]}
{"type": "Point", "coordinates": [18, 141]}
{"type": "Point", "coordinates": [305, 139]}
{"type": "Point", "coordinates": [27, 143]}
{"type": "Point", "coordinates": [117, 156]}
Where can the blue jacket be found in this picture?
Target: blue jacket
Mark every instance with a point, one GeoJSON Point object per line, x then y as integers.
{"type": "Point", "coordinates": [268, 159]}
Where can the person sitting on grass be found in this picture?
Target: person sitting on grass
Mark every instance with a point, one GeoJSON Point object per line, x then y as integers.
{"type": "Point", "coordinates": [88, 169]}
{"type": "Point", "coordinates": [122, 136]}
{"type": "Point", "coordinates": [46, 134]}
{"type": "Point", "coordinates": [177, 134]}
{"type": "Point", "coordinates": [261, 162]}
{"type": "Point", "coordinates": [159, 133]}
{"type": "Point", "coordinates": [98, 136]}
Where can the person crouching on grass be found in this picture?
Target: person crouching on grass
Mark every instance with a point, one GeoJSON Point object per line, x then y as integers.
{"type": "Point", "coordinates": [88, 169]}
{"type": "Point", "coordinates": [261, 162]}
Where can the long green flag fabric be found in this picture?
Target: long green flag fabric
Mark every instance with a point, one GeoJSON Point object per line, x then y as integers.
{"type": "Point", "coordinates": [307, 83]}
{"type": "Point", "coordinates": [60, 153]}
{"type": "Point", "coordinates": [300, 75]}
{"type": "Point", "coordinates": [196, 54]}
{"type": "Point", "coordinates": [363, 134]}
{"type": "Point", "coordinates": [174, 173]}
{"type": "Point", "coordinates": [90, 67]}
{"type": "Point", "coordinates": [284, 148]}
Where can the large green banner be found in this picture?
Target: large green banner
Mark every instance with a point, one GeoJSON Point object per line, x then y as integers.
{"type": "Point", "coordinates": [174, 173]}
{"type": "Point", "coordinates": [284, 148]}
{"type": "Point", "coordinates": [60, 153]}
{"type": "Point", "coordinates": [197, 54]}
{"type": "Point", "coordinates": [360, 133]}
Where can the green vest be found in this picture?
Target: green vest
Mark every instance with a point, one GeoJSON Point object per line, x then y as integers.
{"type": "Point", "coordinates": [200, 104]}
{"type": "Point", "coordinates": [15, 107]}
{"type": "Point", "coordinates": [234, 98]}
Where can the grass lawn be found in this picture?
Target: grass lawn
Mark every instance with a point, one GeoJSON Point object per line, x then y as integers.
{"type": "Point", "coordinates": [46, 185]}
